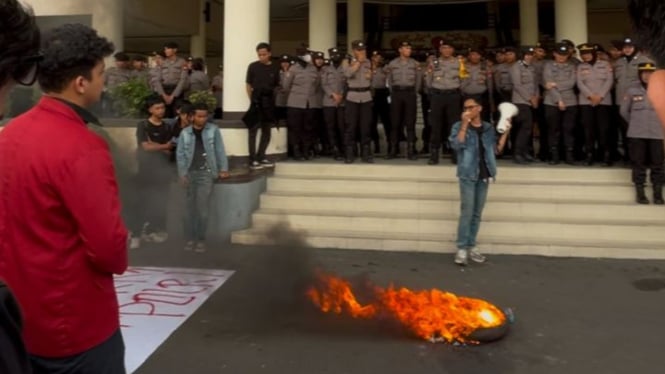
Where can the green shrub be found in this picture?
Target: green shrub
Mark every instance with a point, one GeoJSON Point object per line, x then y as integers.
{"type": "Point", "coordinates": [204, 97]}
{"type": "Point", "coordinates": [129, 97]}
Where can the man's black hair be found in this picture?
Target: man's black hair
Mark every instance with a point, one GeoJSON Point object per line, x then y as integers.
{"type": "Point", "coordinates": [121, 56]}
{"type": "Point", "coordinates": [70, 51]}
{"type": "Point", "coordinates": [263, 45]}
{"type": "Point", "coordinates": [19, 38]}
{"type": "Point", "coordinates": [153, 100]}
{"type": "Point", "coordinates": [180, 103]}
{"type": "Point", "coordinates": [198, 64]}
{"type": "Point", "coordinates": [648, 18]}
{"type": "Point", "coordinates": [200, 106]}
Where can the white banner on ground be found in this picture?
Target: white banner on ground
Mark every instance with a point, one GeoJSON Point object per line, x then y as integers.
{"type": "Point", "coordinates": [154, 302]}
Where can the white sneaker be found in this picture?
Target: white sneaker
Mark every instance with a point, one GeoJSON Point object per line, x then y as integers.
{"type": "Point", "coordinates": [200, 247]}
{"type": "Point", "coordinates": [255, 165]}
{"type": "Point", "coordinates": [135, 242]}
{"type": "Point", "coordinates": [461, 257]}
{"type": "Point", "coordinates": [267, 164]}
{"type": "Point", "coordinates": [189, 246]}
{"type": "Point", "coordinates": [476, 256]}
{"type": "Point", "coordinates": [160, 237]}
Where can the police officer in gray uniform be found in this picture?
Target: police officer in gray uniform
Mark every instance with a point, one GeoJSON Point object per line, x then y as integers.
{"type": "Point", "coordinates": [526, 98]}
{"type": "Point", "coordinates": [333, 83]}
{"type": "Point", "coordinates": [217, 86]}
{"type": "Point", "coordinates": [502, 80]}
{"type": "Point", "coordinates": [594, 81]}
{"type": "Point", "coordinates": [560, 78]}
{"type": "Point", "coordinates": [302, 83]}
{"type": "Point", "coordinates": [171, 80]}
{"type": "Point", "coordinates": [443, 82]}
{"type": "Point", "coordinates": [140, 68]}
{"type": "Point", "coordinates": [381, 107]}
{"type": "Point", "coordinates": [358, 103]}
{"type": "Point", "coordinates": [404, 79]}
{"type": "Point", "coordinates": [645, 135]}
{"type": "Point", "coordinates": [625, 76]}
{"type": "Point", "coordinates": [282, 95]}
{"type": "Point", "coordinates": [113, 77]}
{"type": "Point", "coordinates": [479, 83]}
{"type": "Point", "coordinates": [198, 79]}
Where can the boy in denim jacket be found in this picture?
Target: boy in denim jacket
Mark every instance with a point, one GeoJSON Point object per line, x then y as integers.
{"type": "Point", "coordinates": [201, 160]}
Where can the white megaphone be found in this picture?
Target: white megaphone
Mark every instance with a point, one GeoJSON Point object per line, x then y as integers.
{"type": "Point", "coordinates": [508, 111]}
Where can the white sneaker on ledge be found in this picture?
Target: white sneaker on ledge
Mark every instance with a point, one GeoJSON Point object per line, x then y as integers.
{"type": "Point", "coordinates": [476, 256]}
{"type": "Point", "coordinates": [461, 257]}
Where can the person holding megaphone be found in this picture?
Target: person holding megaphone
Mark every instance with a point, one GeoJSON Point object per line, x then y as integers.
{"type": "Point", "coordinates": [475, 144]}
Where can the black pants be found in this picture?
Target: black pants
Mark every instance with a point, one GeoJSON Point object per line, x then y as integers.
{"type": "Point", "coordinates": [106, 358]}
{"type": "Point", "coordinates": [543, 141]}
{"type": "Point", "coordinates": [523, 127]}
{"type": "Point", "coordinates": [647, 153]}
{"type": "Point", "coordinates": [561, 122]}
{"type": "Point", "coordinates": [13, 356]}
{"type": "Point", "coordinates": [426, 106]}
{"type": "Point", "coordinates": [403, 115]}
{"type": "Point", "coordinates": [154, 187]}
{"type": "Point", "coordinates": [381, 111]}
{"type": "Point", "coordinates": [170, 108]}
{"type": "Point", "coordinates": [446, 109]}
{"type": "Point", "coordinates": [266, 110]}
{"type": "Point", "coordinates": [620, 133]}
{"type": "Point", "coordinates": [358, 115]}
{"type": "Point", "coordinates": [596, 124]}
{"type": "Point", "coordinates": [335, 124]}
{"type": "Point", "coordinates": [265, 128]}
{"type": "Point", "coordinates": [300, 124]}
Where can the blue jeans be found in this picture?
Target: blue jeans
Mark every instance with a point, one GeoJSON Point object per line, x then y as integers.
{"type": "Point", "coordinates": [199, 193]}
{"type": "Point", "coordinates": [473, 195]}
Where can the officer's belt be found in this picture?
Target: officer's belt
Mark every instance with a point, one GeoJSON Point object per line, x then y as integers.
{"type": "Point", "coordinates": [359, 89]}
{"type": "Point", "coordinates": [436, 91]}
{"type": "Point", "coordinates": [403, 88]}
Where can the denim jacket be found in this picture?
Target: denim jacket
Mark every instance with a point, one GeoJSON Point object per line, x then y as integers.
{"type": "Point", "coordinates": [212, 143]}
{"type": "Point", "coordinates": [468, 160]}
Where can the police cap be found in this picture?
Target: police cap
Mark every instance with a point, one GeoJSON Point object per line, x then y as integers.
{"type": "Point", "coordinates": [627, 42]}
{"type": "Point", "coordinates": [599, 48]}
{"type": "Point", "coordinates": [646, 66]}
{"type": "Point", "coordinates": [318, 55]}
{"type": "Point", "coordinates": [446, 42]}
{"type": "Point", "coordinates": [561, 48]}
{"type": "Point", "coordinates": [405, 43]}
{"type": "Point", "coordinates": [285, 58]}
{"type": "Point", "coordinates": [141, 58]}
{"type": "Point", "coordinates": [528, 49]}
{"type": "Point", "coordinates": [587, 48]}
{"type": "Point", "coordinates": [121, 56]}
{"type": "Point", "coordinates": [333, 51]}
{"type": "Point", "coordinates": [358, 45]}
{"type": "Point", "coordinates": [171, 45]}
{"type": "Point", "coordinates": [568, 43]}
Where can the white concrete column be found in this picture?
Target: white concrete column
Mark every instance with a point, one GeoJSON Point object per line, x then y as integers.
{"type": "Point", "coordinates": [355, 26]}
{"type": "Point", "coordinates": [322, 24]}
{"type": "Point", "coordinates": [529, 22]}
{"type": "Point", "coordinates": [197, 46]}
{"type": "Point", "coordinates": [571, 20]}
{"type": "Point", "coordinates": [240, 39]}
{"type": "Point", "coordinates": [107, 15]}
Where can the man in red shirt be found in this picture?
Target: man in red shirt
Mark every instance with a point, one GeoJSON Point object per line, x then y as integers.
{"type": "Point", "coordinates": [61, 235]}
{"type": "Point", "coordinates": [18, 65]}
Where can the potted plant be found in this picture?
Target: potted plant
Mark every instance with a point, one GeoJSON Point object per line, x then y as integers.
{"type": "Point", "coordinates": [129, 98]}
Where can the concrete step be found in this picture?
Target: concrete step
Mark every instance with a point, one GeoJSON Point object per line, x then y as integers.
{"type": "Point", "coordinates": [619, 214]}
{"type": "Point", "coordinates": [527, 232]}
{"type": "Point", "coordinates": [399, 170]}
{"type": "Point", "coordinates": [504, 191]}
{"type": "Point", "coordinates": [595, 248]}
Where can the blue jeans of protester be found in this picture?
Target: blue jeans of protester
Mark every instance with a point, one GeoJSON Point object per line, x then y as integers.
{"type": "Point", "coordinates": [473, 195]}
{"type": "Point", "coordinates": [198, 200]}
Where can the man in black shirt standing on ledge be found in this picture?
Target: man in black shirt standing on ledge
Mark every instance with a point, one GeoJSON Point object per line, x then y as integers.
{"type": "Point", "coordinates": [262, 81]}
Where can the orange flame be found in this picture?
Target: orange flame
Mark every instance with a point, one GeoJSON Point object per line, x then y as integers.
{"type": "Point", "coordinates": [430, 314]}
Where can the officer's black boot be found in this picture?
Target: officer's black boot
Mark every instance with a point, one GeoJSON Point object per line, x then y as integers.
{"type": "Point", "coordinates": [589, 159]}
{"type": "Point", "coordinates": [337, 154]}
{"type": "Point", "coordinates": [348, 154]}
{"type": "Point", "coordinates": [640, 196]}
{"type": "Point", "coordinates": [658, 194]}
{"type": "Point", "coordinates": [433, 155]}
{"type": "Point", "coordinates": [411, 152]}
{"type": "Point", "coordinates": [570, 156]}
{"type": "Point", "coordinates": [554, 156]}
{"type": "Point", "coordinates": [367, 154]}
{"type": "Point", "coordinates": [426, 149]}
{"type": "Point", "coordinates": [607, 159]}
{"type": "Point", "coordinates": [393, 150]}
{"type": "Point", "coordinates": [377, 147]}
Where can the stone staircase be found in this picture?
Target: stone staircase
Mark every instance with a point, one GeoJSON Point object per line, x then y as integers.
{"type": "Point", "coordinates": [404, 206]}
